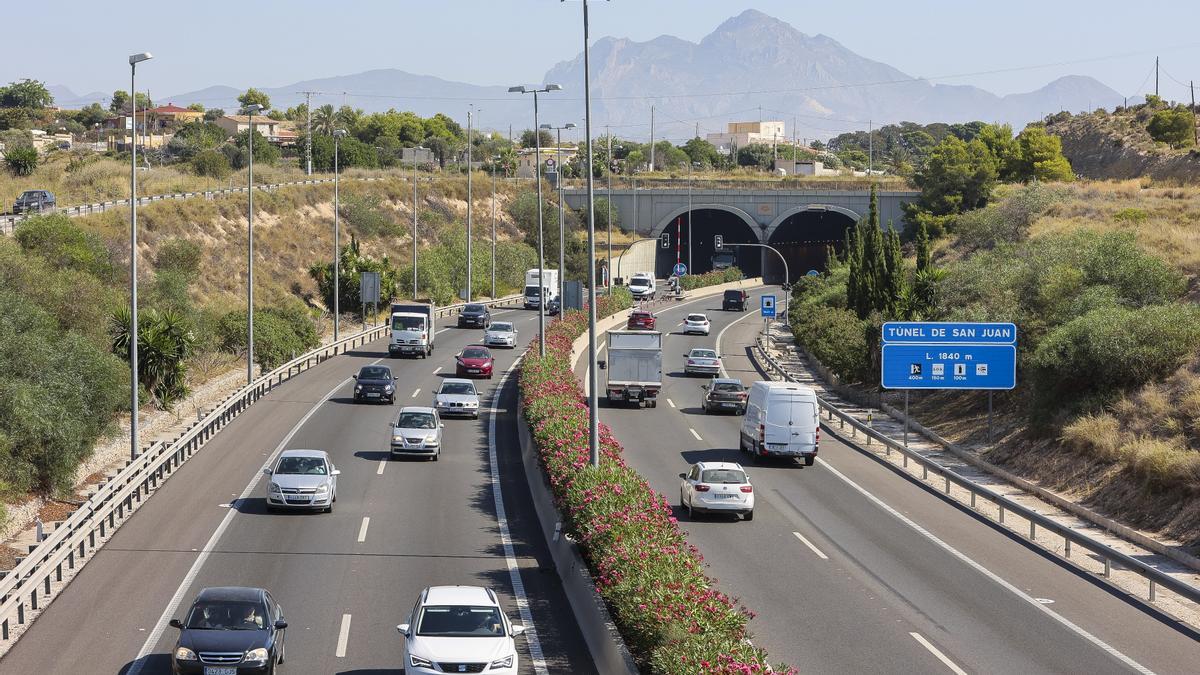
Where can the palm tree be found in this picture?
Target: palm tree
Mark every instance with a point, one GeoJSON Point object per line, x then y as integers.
{"type": "Point", "coordinates": [325, 120]}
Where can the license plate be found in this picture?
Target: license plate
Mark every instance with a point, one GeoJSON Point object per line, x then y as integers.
{"type": "Point", "coordinates": [472, 370]}
{"type": "Point", "coordinates": [777, 446]}
{"type": "Point", "coordinates": [297, 499]}
{"type": "Point", "coordinates": [372, 394]}
{"type": "Point", "coordinates": [727, 405]}
{"type": "Point", "coordinates": [723, 495]}
{"type": "Point", "coordinates": [219, 670]}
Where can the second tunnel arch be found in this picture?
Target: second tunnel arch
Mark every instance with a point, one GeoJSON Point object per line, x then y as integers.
{"type": "Point", "coordinates": [802, 235]}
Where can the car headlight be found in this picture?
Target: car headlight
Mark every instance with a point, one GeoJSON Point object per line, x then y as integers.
{"type": "Point", "coordinates": [274, 487]}
{"type": "Point", "coordinates": [357, 387]}
{"type": "Point", "coordinates": [397, 437]}
{"type": "Point", "coordinates": [388, 389]}
{"type": "Point", "coordinates": [259, 654]}
{"type": "Point", "coordinates": [472, 404]}
{"type": "Point", "coordinates": [322, 488]}
{"type": "Point", "coordinates": [432, 438]}
{"type": "Point", "coordinates": [184, 654]}
{"type": "Point", "coordinates": [418, 662]}
{"type": "Point", "coordinates": [505, 662]}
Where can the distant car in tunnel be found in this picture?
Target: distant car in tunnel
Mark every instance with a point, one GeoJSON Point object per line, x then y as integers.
{"type": "Point", "coordinates": [734, 300]}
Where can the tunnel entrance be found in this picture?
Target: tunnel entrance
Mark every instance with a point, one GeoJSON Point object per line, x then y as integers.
{"type": "Point", "coordinates": [803, 239]}
{"type": "Point", "coordinates": [707, 223]}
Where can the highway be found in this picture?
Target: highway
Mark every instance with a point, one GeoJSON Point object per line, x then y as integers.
{"type": "Point", "coordinates": [852, 568]}
{"type": "Point", "coordinates": [344, 581]}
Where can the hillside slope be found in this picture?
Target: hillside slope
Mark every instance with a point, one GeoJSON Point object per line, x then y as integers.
{"type": "Point", "coordinates": [1116, 146]}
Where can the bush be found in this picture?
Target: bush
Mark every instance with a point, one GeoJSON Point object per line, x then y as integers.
{"type": "Point", "coordinates": [365, 213]}
{"type": "Point", "coordinates": [714, 278]}
{"type": "Point", "coordinates": [212, 163]}
{"type": "Point", "coordinates": [837, 337]}
{"type": "Point", "coordinates": [180, 255]}
{"type": "Point", "coordinates": [21, 160]}
{"type": "Point", "coordinates": [279, 335]}
{"type": "Point", "coordinates": [1009, 220]}
{"type": "Point", "coordinates": [1174, 126]}
{"type": "Point", "coordinates": [165, 341]}
{"type": "Point", "coordinates": [64, 244]}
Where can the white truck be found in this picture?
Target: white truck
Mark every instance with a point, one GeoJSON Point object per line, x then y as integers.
{"type": "Point", "coordinates": [634, 367]}
{"type": "Point", "coordinates": [641, 285]}
{"type": "Point", "coordinates": [782, 420]}
{"type": "Point", "coordinates": [412, 330]}
{"type": "Point", "coordinates": [548, 286]}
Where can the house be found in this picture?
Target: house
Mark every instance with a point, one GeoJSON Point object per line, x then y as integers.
{"type": "Point", "coordinates": [171, 115]}
{"type": "Point", "coordinates": [276, 132]}
{"type": "Point", "coordinates": [742, 134]}
{"type": "Point", "coordinates": [803, 167]}
{"type": "Point", "coordinates": [526, 160]}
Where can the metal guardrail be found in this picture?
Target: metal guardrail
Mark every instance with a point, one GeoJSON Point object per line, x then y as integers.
{"type": "Point", "coordinates": [40, 576]}
{"type": "Point", "coordinates": [9, 222]}
{"type": "Point", "coordinates": [1154, 577]}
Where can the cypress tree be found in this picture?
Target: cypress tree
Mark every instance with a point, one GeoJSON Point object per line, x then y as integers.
{"type": "Point", "coordinates": [894, 289]}
{"type": "Point", "coordinates": [873, 270]}
{"type": "Point", "coordinates": [924, 254]}
{"type": "Point", "coordinates": [854, 257]}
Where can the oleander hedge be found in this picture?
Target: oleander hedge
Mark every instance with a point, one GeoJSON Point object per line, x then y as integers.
{"type": "Point", "coordinates": [692, 281]}
{"type": "Point", "coordinates": [672, 618]}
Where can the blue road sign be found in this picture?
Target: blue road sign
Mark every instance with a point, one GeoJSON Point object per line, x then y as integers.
{"type": "Point", "coordinates": [912, 366]}
{"type": "Point", "coordinates": [768, 306]}
{"type": "Point", "coordinates": [680, 269]}
{"type": "Point", "coordinates": [812, 273]}
{"type": "Point", "coordinates": [934, 332]}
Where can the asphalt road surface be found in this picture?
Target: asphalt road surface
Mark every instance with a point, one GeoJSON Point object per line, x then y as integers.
{"type": "Point", "coordinates": [854, 569]}
{"type": "Point", "coordinates": [430, 523]}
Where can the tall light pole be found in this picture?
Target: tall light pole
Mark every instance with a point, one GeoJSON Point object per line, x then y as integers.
{"type": "Point", "coordinates": [133, 300]}
{"type": "Point", "coordinates": [537, 177]}
{"type": "Point", "coordinates": [414, 256]}
{"type": "Point", "coordinates": [495, 160]}
{"type": "Point", "coordinates": [337, 251]}
{"type": "Point", "coordinates": [467, 295]}
{"type": "Point", "coordinates": [250, 110]}
{"type": "Point", "coordinates": [691, 270]}
{"type": "Point", "coordinates": [611, 167]}
{"type": "Point", "coordinates": [562, 228]}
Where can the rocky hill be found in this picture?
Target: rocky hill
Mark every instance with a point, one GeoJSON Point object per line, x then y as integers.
{"type": "Point", "coordinates": [1115, 145]}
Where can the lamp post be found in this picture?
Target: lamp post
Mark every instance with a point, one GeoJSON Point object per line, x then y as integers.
{"type": "Point", "coordinates": [691, 270]}
{"type": "Point", "coordinates": [133, 299]}
{"type": "Point", "coordinates": [495, 160]}
{"type": "Point", "coordinates": [414, 234]}
{"type": "Point", "coordinates": [467, 295]}
{"type": "Point", "coordinates": [337, 251]}
{"type": "Point", "coordinates": [537, 176]}
{"type": "Point", "coordinates": [562, 228]}
{"type": "Point", "coordinates": [250, 110]}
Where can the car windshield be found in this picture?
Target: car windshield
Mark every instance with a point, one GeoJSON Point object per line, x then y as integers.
{"type": "Point", "coordinates": [407, 323]}
{"type": "Point", "coordinates": [501, 328]}
{"type": "Point", "coordinates": [639, 282]}
{"type": "Point", "coordinates": [700, 318]}
{"type": "Point", "coordinates": [458, 388]}
{"type": "Point", "coordinates": [719, 476]}
{"type": "Point", "coordinates": [310, 466]}
{"type": "Point", "coordinates": [703, 354]}
{"type": "Point", "coordinates": [728, 387]}
{"type": "Point", "coordinates": [460, 621]}
{"type": "Point", "coordinates": [414, 420]}
{"type": "Point", "coordinates": [475, 354]}
{"type": "Point", "coordinates": [227, 615]}
{"type": "Point", "coordinates": [474, 309]}
{"type": "Point", "coordinates": [374, 373]}
{"type": "Point", "coordinates": [531, 291]}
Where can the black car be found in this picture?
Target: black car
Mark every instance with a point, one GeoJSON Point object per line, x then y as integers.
{"type": "Point", "coordinates": [375, 383]}
{"type": "Point", "coordinates": [230, 631]}
{"type": "Point", "coordinates": [35, 201]}
{"type": "Point", "coordinates": [734, 300]}
{"type": "Point", "coordinates": [474, 315]}
{"type": "Point", "coordinates": [724, 395]}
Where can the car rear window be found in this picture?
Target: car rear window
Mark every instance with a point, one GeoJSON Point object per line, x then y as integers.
{"type": "Point", "coordinates": [720, 476]}
{"type": "Point", "coordinates": [728, 387]}
{"type": "Point", "coordinates": [697, 317]}
{"type": "Point", "coordinates": [733, 295]}
{"type": "Point", "coordinates": [704, 354]}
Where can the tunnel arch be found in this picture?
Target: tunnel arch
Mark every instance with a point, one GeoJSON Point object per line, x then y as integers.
{"type": "Point", "coordinates": [708, 220]}
{"type": "Point", "coordinates": [803, 235]}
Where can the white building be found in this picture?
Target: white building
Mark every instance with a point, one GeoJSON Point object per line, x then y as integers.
{"type": "Point", "coordinates": [741, 134]}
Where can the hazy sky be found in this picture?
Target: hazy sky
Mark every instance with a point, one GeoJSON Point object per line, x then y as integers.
{"type": "Point", "coordinates": [84, 46]}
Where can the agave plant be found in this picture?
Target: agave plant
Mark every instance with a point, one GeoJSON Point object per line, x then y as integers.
{"type": "Point", "coordinates": [165, 341]}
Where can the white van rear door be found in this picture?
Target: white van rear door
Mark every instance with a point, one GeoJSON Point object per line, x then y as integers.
{"type": "Point", "coordinates": [790, 423]}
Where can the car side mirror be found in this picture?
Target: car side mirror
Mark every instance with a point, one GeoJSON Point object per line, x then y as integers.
{"type": "Point", "coordinates": [354, 376]}
{"type": "Point", "coordinates": [280, 624]}
{"type": "Point", "coordinates": [267, 471]}
{"type": "Point", "coordinates": [602, 365]}
{"type": "Point", "coordinates": [704, 386]}
{"type": "Point", "coordinates": [683, 475]}
{"type": "Point", "coordinates": [518, 629]}
{"type": "Point", "coordinates": [337, 472]}
{"type": "Point", "coordinates": [402, 628]}
{"type": "Point", "coordinates": [176, 623]}
{"type": "Point", "coordinates": [441, 425]}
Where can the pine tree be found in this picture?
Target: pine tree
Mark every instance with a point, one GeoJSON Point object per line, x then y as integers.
{"type": "Point", "coordinates": [924, 254]}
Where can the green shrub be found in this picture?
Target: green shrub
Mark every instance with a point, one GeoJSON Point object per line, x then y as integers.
{"type": "Point", "coordinates": [279, 335]}
{"type": "Point", "coordinates": [212, 163]}
{"type": "Point", "coordinates": [65, 244]}
{"type": "Point", "coordinates": [1174, 126]}
{"type": "Point", "coordinates": [838, 338]}
{"type": "Point", "coordinates": [21, 160]}
{"type": "Point", "coordinates": [1131, 215]}
{"type": "Point", "coordinates": [180, 255]}
{"type": "Point", "coordinates": [713, 278]}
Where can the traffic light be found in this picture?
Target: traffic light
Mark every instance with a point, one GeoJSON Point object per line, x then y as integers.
{"type": "Point", "coordinates": [666, 239]}
{"type": "Point", "coordinates": [718, 242]}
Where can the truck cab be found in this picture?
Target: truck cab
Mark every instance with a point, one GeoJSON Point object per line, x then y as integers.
{"type": "Point", "coordinates": [641, 285]}
{"type": "Point", "coordinates": [412, 330]}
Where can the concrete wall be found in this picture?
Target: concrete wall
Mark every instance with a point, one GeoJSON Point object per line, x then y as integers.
{"type": "Point", "coordinates": [638, 258]}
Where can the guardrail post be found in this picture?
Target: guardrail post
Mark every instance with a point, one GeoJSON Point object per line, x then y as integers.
{"type": "Point", "coordinates": [947, 484]}
{"type": "Point", "coordinates": [1107, 568]}
{"type": "Point", "coordinates": [924, 472]}
{"type": "Point", "coordinates": [1001, 513]}
{"type": "Point", "coordinates": [1032, 530]}
{"type": "Point", "coordinates": [972, 499]}
{"type": "Point", "coordinates": [33, 603]}
{"type": "Point", "coordinates": [1067, 546]}
{"type": "Point", "coordinates": [1151, 590]}
{"type": "Point", "coordinates": [21, 613]}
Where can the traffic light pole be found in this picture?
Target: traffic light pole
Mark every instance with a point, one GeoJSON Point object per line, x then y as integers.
{"type": "Point", "coordinates": [786, 276]}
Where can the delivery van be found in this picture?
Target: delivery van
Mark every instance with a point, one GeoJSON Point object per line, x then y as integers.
{"type": "Point", "coordinates": [782, 420]}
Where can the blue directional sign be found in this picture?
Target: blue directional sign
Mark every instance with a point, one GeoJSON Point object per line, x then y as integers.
{"type": "Point", "coordinates": [937, 355]}
{"type": "Point", "coordinates": [768, 306]}
{"type": "Point", "coordinates": [680, 269]}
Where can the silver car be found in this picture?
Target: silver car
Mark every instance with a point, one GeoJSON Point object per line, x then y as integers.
{"type": "Point", "coordinates": [418, 432]}
{"type": "Point", "coordinates": [500, 334]}
{"type": "Point", "coordinates": [700, 361]}
{"type": "Point", "coordinates": [302, 479]}
{"type": "Point", "coordinates": [457, 397]}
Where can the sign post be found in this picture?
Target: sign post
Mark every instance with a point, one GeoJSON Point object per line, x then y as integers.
{"type": "Point", "coordinates": [941, 355]}
{"type": "Point", "coordinates": [768, 306]}
{"type": "Point", "coordinates": [680, 269]}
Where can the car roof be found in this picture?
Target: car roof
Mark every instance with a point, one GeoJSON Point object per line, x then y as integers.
{"type": "Point", "coordinates": [234, 593]}
{"type": "Point", "coordinates": [304, 453]}
{"type": "Point", "coordinates": [458, 380]}
{"type": "Point", "coordinates": [459, 595]}
{"type": "Point", "coordinates": [415, 409]}
{"type": "Point", "coordinates": [501, 323]}
{"type": "Point", "coordinates": [719, 465]}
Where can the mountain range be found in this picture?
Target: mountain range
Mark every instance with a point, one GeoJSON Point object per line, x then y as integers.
{"type": "Point", "coordinates": [752, 66]}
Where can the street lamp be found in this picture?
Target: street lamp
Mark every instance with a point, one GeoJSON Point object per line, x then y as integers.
{"type": "Point", "coordinates": [250, 110]}
{"type": "Point", "coordinates": [133, 301]}
{"type": "Point", "coordinates": [467, 295]}
{"type": "Point", "coordinates": [537, 175]}
{"type": "Point", "coordinates": [562, 228]}
{"type": "Point", "coordinates": [337, 251]}
{"type": "Point", "coordinates": [416, 153]}
{"type": "Point", "coordinates": [495, 161]}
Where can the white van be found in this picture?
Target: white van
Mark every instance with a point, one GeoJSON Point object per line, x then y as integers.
{"type": "Point", "coordinates": [782, 420]}
{"type": "Point", "coordinates": [642, 286]}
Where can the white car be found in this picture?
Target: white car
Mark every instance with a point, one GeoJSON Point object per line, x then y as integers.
{"type": "Point", "coordinates": [457, 397]}
{"type": "Point", "coordinates": [696, 324]}
{"type": "Point", "coordinates": [302, 479]}
{"type": "Point", "coordinates": [711, 487]}
{"type": "Point", "coordinates": [500, 334]}
{"type": "Point", "coordinates": [701, 361]}
{"type": "Point", "coordinates": [459, 629]}
{"type": "Point", "coordinates": [417, 432]}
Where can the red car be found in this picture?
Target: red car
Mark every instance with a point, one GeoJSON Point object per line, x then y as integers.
{"type": "Point", "coordinates": [475, 361]}
{"type": "Point", "coordinates": [641, 320]}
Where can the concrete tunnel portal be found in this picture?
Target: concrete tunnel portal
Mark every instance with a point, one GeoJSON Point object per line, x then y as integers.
{"type": "Point", "coordinates": [804, 238]}
{"type": "Point", "coordinates": [706, 223]}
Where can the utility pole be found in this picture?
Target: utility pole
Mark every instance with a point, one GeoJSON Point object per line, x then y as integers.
{"type": "Point", "coordinates": [652, 138]}
{"type": "Point", "coordinates": [494, 161]}
{"type": "Point", "coordinates": [308, 130]}
{"type": "Point", "coordinates": [1195, 131]}
{"type": "Point", "coordinates": [1156, 76]}
{"type": "Point", "coordinates": [610, 173]}
{"type": "Point", "coordinates": [870, 146]}
{"type": "Point", "coordinates": [467, 295]}
{"type": "Point", "coordinates": [415, 223]}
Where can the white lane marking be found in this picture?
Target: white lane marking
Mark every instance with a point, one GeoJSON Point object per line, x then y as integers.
{"type": "Point", "coordinates": [1109, 649]}
{"type": "Point", "coordinates": [382, 465]}
{"type": "Point", "coordinates": [416, 392]}
{"type": "Point", "coordinates": [721, 334]}
{"type": "Point", "coordinates": [514, 572]}
{"type": "Point", "coordinates": [173, 605]}
{"type": "Point", "coordinates": [811, 546]}
{"type": "Point", "coordinates": [362, 531]}
{"type": "Point", "coordinates": [695, 434]}
{"type": "Point", "coordinates": [343, 636]}
{"type": "Point", "coordinates": [437, 370]}
{"type": "Point", "coordinates": [938, 653]}
{"type": "Point", "coordinates": [670, 403]}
